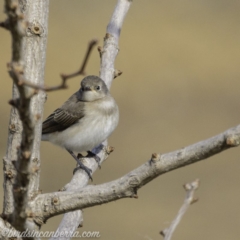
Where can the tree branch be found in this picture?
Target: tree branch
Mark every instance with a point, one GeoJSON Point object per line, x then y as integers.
{"type": "Point", "coordinates": [72, 220]}
{"type": "Point", "coordinates": [65, 77]}
{"type": "Point", "coordinates": [107, 72]}
{"type": "Point", "coordinates": [17, 27]}
{"type": "Point", "coordinates": [110, 48]}
{"type": "Point", "coordinates": [51, 204]}
{"type": "Point", "coordinates": [22, 161]}
{"type": "Point", "coordinates": [189, 199]}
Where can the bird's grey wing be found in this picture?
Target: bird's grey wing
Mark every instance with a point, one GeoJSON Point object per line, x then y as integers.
{"type": "Point", "coordinates": [63, 117]}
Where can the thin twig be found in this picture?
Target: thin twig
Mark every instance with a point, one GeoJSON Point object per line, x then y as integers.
{"type": "Point", "coordinates": [117, 73]}
{"type": "Point", "coordinates": [189, 199]}
{"type": "Point", "coordinates": [81, 71]}
{"type": "Point", "coordinates": [64, 77]}
{"type": "Point", "coordinates": [5, 25]}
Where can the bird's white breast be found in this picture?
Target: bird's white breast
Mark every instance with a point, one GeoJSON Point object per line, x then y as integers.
{"type": "Point", "coordinates": [91, 130]}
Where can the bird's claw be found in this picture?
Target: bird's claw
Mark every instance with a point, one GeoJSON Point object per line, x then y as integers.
{"type": "Point", "coordinates": [86, 169]}
{"type": "Point", "coordinates": [96, 158]}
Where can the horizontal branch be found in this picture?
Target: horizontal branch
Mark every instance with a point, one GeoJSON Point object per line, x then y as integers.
{"type": "Point", "coordinates": [51, 204]}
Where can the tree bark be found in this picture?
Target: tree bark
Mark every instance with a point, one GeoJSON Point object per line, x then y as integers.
{"type": "Point", "coordinates": [72, 220]}
{"type": "Point", "coordinates": [28, 21]}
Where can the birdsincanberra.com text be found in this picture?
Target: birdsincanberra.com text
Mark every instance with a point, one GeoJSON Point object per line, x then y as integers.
{"type": "Point", "coordinates": [51, 234]}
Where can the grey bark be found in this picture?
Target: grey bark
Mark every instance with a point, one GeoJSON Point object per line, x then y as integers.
{"type": "Point", "coordinates": [127, 186]}
{"type": "Point", "coordinates": [28, 26]}
{"type": "Point", "coordinates": [71, 221]}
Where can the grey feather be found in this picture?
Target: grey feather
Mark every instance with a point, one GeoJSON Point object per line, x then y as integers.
{"type": "Point", "coordinates": [65, 116]}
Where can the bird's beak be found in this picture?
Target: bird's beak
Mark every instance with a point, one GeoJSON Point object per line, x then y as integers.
{"type": "Point", "coordinates": [87, 89]}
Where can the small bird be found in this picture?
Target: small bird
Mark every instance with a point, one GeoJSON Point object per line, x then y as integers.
{"type": "Point", "coordinates": [84, 121]}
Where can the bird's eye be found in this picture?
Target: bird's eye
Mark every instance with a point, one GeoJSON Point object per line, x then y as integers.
{"type": "Point", "coordinates": [97, 87]}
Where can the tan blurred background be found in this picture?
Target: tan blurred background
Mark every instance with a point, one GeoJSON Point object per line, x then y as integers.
{"type": "Point", "coordinates": [180, 84]}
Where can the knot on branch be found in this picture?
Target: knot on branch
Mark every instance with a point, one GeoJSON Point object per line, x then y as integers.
{"type": "Point", "coordinates": [9, 169]}
{"type": "Point", "coordinates": [107, 36]}
{"type": "Point", "coordinates": [192, 186]}
{"type": "Point", "coordinates": [35, 28]}
{"type": "Point", "coordinates": [38, 220]}
{"type": "Point", "coordinates": [26, 155]}
{"type": "Point", "coordinates": [233, 141]}
{"type": "Point", "coordinates": [35, 165]}
{"type": "Point", "coordinates": [154, 158]}
{"type": "Point", "coordinates": [117, 73]}
{"type": "Point", "coordinates": [51, 203]}
{"type": "Point", "coordinates": [5, 24]}
{"type": "Point", "coordinates": [133, 181]}
{"type": "Point", "coordinates": [15, 67]}
{"type": "Point", "coordinates": [109, 150]}
{"type": "Point", "coordinates": [109, 40]}
{"type": "Point", "coordinates": [9, 173]}
{"type": "Point", "coordinates": [13, 128]}
{"type": "Point", "coordinates": [15, 16]}
{"type": "Point", "coordinates": [55, 201]}
{"type": "Point", "coordinates": [14, 103]}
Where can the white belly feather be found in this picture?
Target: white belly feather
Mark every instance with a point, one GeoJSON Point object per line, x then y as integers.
{"type": "Point", "coordinates": [86, 134]}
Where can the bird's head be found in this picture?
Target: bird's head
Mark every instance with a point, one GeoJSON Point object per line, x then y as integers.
{"type": "Point", "coordinates": [92, 89]}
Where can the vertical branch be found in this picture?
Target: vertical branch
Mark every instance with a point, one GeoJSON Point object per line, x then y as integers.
{"type": "Point", "coordinates": [108, 55]}
{"type": "Point", "coordinates": [28, 26]}
{"type": "Point", "coordinates": [110, 47]}
{"type": "Point", "coordinates": [17, 28]}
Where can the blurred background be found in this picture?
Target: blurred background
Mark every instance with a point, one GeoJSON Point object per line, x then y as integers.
{"type": "Point", "coordinates": [180, 85]}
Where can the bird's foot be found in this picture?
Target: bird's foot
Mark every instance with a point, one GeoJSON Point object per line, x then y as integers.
{"type": "Point", "coordinates": [83, 167]}
{"type": "Point", "coordinates": [96, 158]}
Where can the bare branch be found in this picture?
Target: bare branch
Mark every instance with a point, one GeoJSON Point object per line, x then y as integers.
{"type": "Point", "coordinates": [64, 77]}
{"type": "Point", "coordinates": [189, 199]}
{"type": "Point", "coordinates": [81, 71]}
{"type": "Point", "coordinates": [128, 185]}
{"type": "Point", "coordinates": [110, 48]}
{"type": "Point", "coordinates": [72, 220]}
{"type": "Point", "coordinates": [107, 72]}
{"type": "Point", "coordinates": [22, 176]}
{"type": "Point", "coordinates": [21, 182]}
{"type": "Point", "coordinates": [17, 27]}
